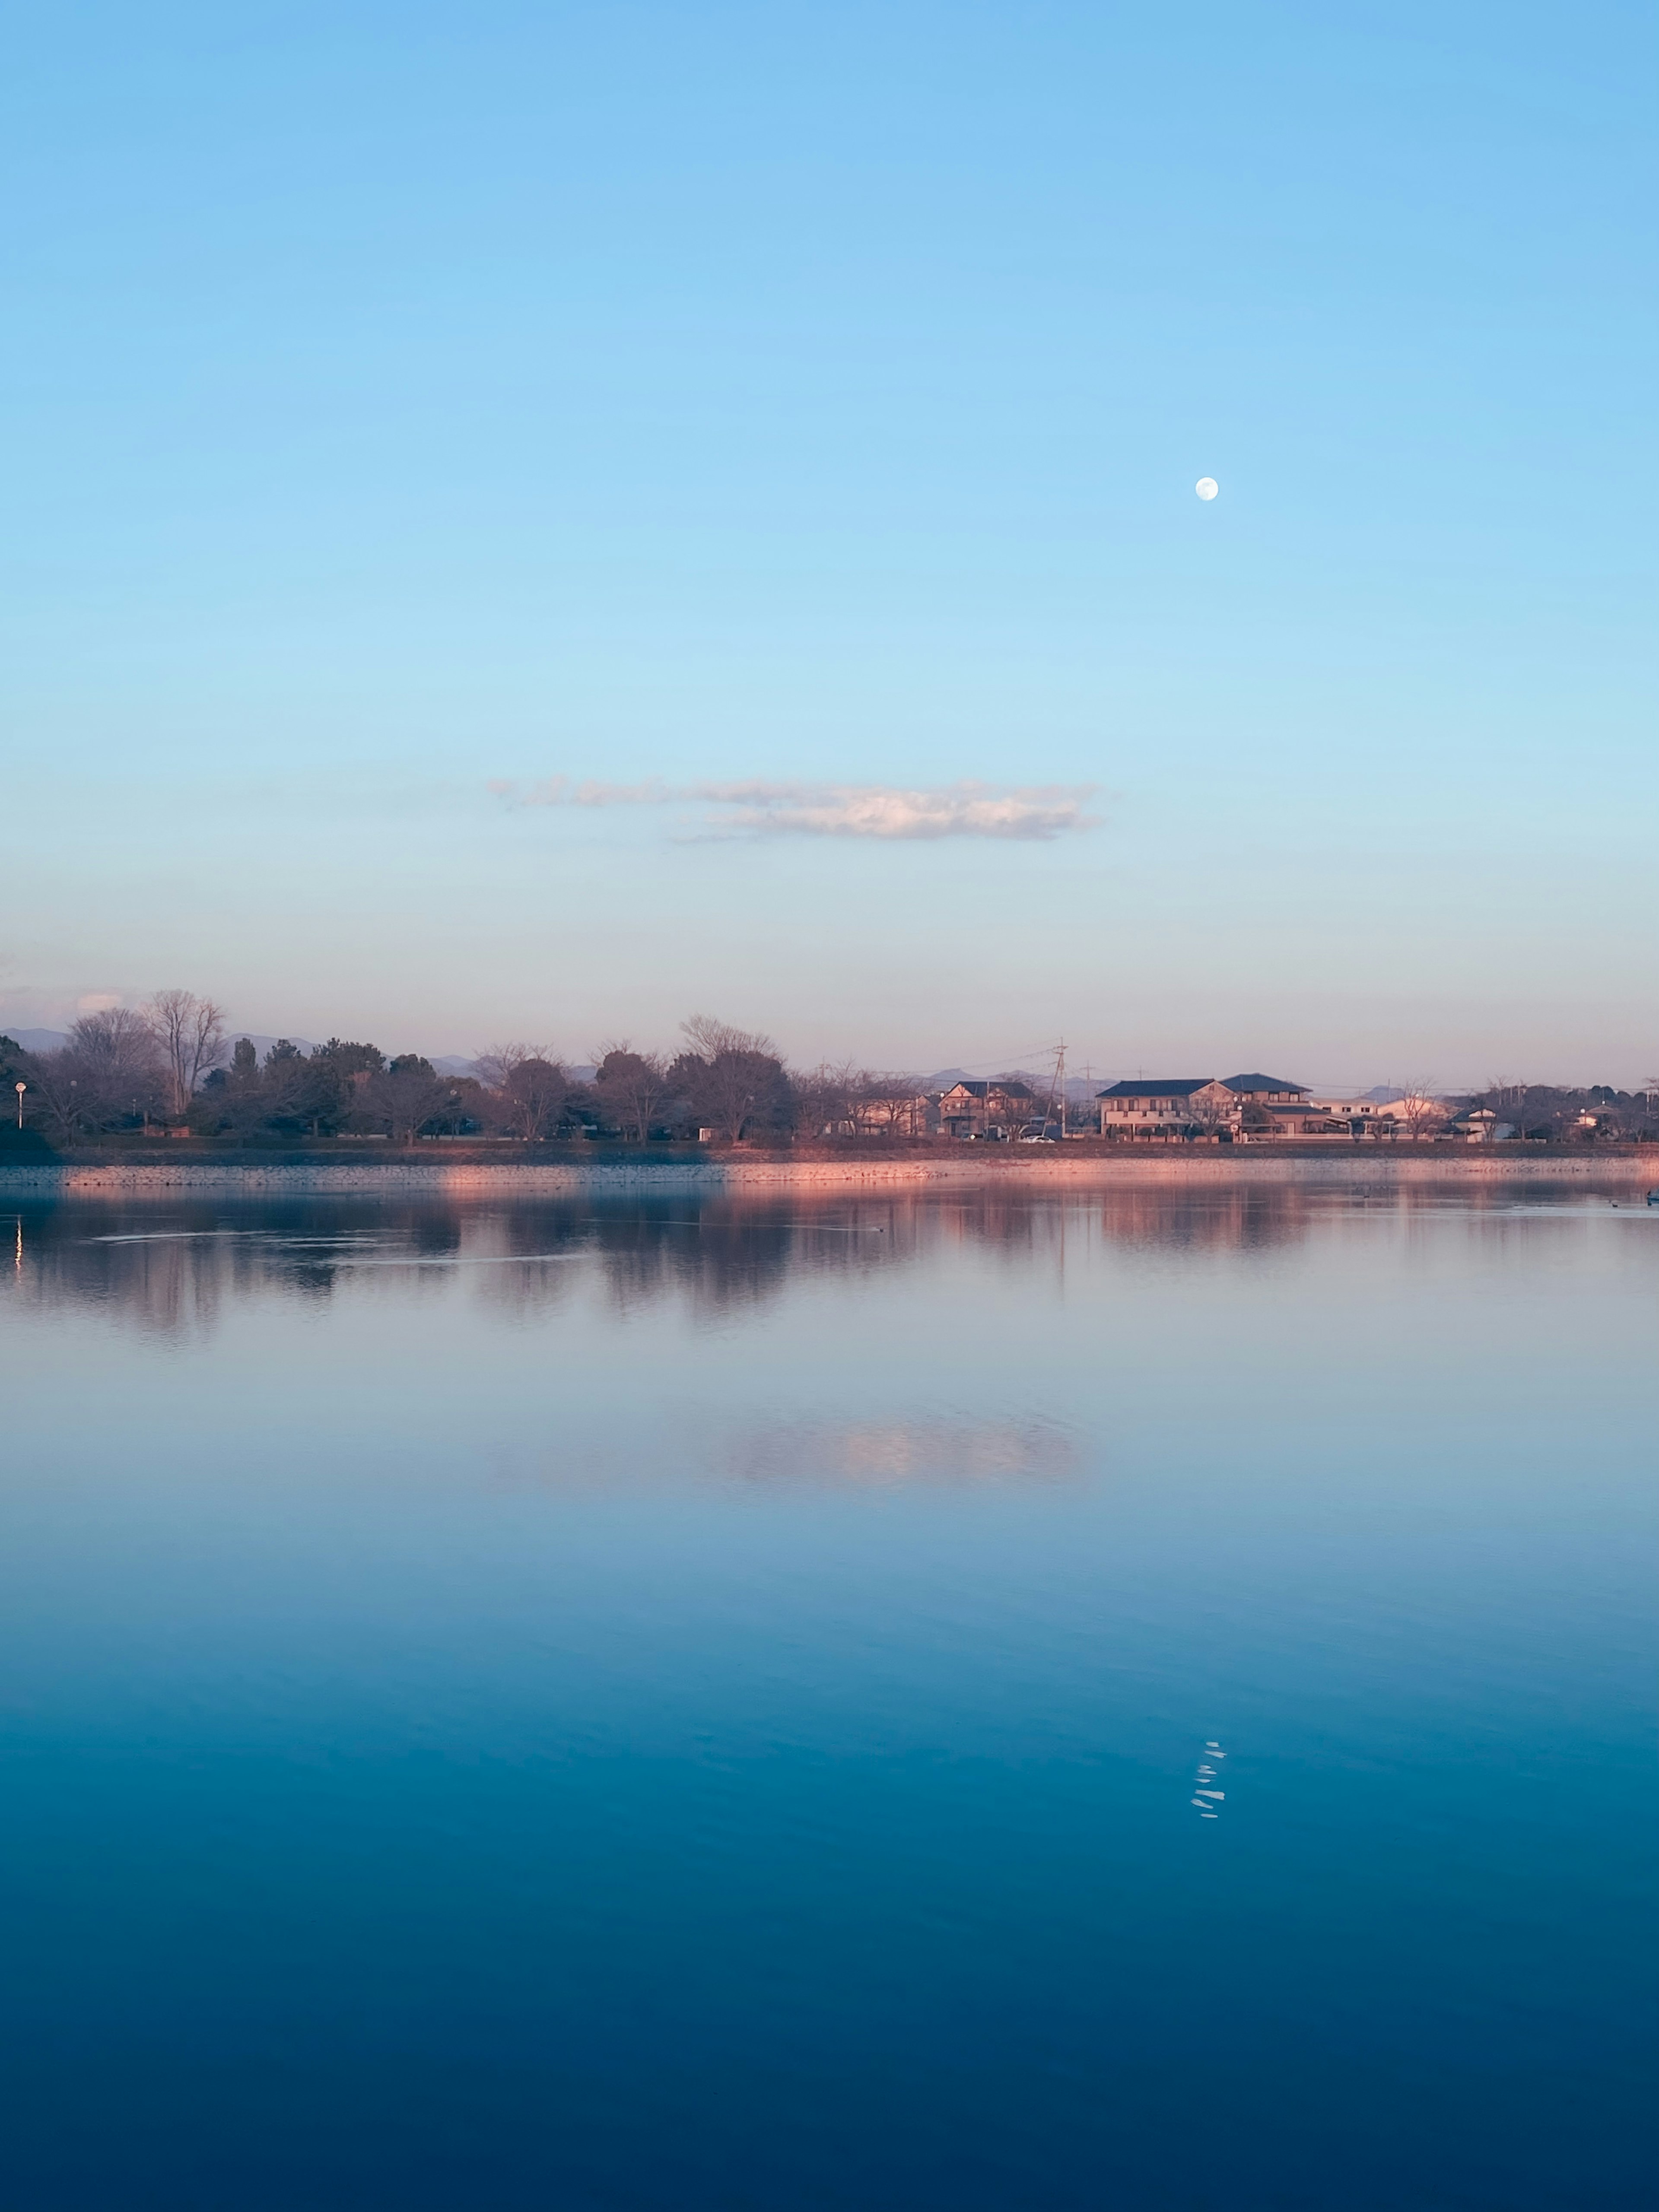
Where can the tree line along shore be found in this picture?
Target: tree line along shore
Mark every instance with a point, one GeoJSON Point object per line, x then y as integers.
{"type": "Point", "coordinates": [171, 1068]}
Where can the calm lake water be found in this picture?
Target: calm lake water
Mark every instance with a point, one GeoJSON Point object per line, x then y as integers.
{"type": "Point", "coordinates": [987, 1702]}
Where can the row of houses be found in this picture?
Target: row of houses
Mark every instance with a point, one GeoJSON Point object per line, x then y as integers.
{"type": "Point", "coordinates": [1174, 1107]}
{"type": "Point", "coordinates": [1251, 1108]}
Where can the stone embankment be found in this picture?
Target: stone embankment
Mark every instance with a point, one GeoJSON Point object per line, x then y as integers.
{"type": "Point", "coordinates": [1372, 1168]}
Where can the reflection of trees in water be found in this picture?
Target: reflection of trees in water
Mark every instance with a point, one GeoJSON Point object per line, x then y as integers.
{"type": "Point", "coordinates": [175, 1268]}
{"type": "Point", "coordinates": [1226, 1216]}
{"type": "Point", "coordinates": [730, 1251]}
{"type": "Point", "coordinates": [715, 1252]}
{"type": "Point", "coordinates": [432, 1235]}
{"type": "Point", "coordinates": [1023, 1226]}
{"type": "Point", "coordinates": [168, 1286]}
{"type": "Point", "coordinates": [521, 1257]}
{"type": "Point", "coordinates": [172, 1273]}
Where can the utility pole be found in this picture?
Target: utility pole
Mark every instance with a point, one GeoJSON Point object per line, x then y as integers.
{"type": "Point", "coordinates": [1059, 1085]}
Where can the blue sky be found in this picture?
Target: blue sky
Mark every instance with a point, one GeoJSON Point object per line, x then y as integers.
{"type": "Point", "coordinates": [399, 402]}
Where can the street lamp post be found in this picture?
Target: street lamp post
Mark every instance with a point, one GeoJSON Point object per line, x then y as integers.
{"type": "Point", "coordinates": [22, 1088]}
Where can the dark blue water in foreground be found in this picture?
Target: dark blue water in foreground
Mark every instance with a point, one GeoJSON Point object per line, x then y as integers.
{"type": "Point", "coordinates": [697, 1705]}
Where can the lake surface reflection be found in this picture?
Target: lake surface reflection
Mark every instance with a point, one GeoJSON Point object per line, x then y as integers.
{"type": "Point", "coordinates": [1137, 1698]}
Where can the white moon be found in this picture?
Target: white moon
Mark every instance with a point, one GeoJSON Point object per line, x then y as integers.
{"type": "Point", "coordinates": [1206, 487]}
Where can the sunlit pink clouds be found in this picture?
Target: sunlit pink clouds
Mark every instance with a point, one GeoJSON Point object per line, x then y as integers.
{"type": "Point", "coordinates": [888, 812]}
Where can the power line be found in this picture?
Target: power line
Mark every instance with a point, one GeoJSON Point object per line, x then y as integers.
{"type": "Point", "coordinates": [1011, 1058]}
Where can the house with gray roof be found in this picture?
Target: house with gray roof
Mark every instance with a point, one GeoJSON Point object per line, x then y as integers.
{"type": "Point", "coordinates": [1266, 1090]}
{"type": "Point", "coordinates": [998, 1109]}
{"type": "Point", "coordinates": [1172, 1107]}
{"type": "Point", "coordinates": [1181, 1108]}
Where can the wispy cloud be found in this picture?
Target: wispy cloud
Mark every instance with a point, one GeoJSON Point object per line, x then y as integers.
{"type": "Point", "coordinates": [966, 808]}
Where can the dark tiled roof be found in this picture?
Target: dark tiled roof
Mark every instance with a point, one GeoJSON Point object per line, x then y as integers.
{"type": "Point", "coordinates": [990, 1089]}
{"type": "Point", "coordinates": [1248, 1083]}
{"type": "Point", "coordinates": [1181, 1087]}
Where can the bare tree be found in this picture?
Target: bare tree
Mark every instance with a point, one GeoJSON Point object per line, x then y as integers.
{"type": "Point", "coordinates": [191, 1032]}
{"type": "Point", "coordinates": [709, 1038]}
{"type": "Point", "coordinates": [1532, 1109]}
{"type": "Point", "coordinates": [740, 1073]}
{"type": "Point", "coordinates": [409, 1095]}
{"type": "Point", "coordinates": [1213, 1110]}
{"type": "Point", "coordinates": [632, 1086]}
{"type": "Point", "coordinates": [55, 1095]}
{"type": "Point", "coordinates": [1507, 1100]}
{"type": "Point", "coordinates": [528, 1088]}
{"type": "Point", "coordinates": [849, 1101]}
{"type": "Point", "coordinates": [1419, 1112]}
{"type": "Point", "coordinates": [891, 1106]}
{"type": "Point", "coordinates": [109, 1070]}
{"type": "Point", "coordinates": [827, 1099]}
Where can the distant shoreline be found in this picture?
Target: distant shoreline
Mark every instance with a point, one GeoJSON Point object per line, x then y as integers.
{"type": "Point", "coordinates": [1373, 1167]}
